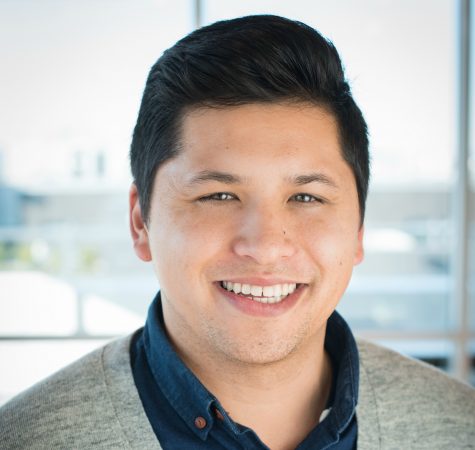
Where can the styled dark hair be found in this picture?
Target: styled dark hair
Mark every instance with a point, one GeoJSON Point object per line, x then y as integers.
{"type": "Point", "coordinates": [254, 59]}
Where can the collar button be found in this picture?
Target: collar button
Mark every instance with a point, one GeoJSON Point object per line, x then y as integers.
{"type": "Point", "coordinates": [200, 422]}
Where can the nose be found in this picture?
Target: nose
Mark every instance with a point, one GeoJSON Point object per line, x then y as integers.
{"type": "Point", "coordinates": [262, 236]}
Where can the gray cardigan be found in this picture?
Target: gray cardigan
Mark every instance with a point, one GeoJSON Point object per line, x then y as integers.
{"type": "Point", "coordinates": [93, 403]}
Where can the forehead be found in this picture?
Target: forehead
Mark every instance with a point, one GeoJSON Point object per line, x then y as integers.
{"type": "Point", "coordinates": [278, 130]}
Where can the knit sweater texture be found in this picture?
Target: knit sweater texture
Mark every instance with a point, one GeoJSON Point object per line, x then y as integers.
{"type": "Point", "coordinates": [94, 404]}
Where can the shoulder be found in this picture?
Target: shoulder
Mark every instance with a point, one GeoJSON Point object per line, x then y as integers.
{"type": "Point", "coordinates": [393, 373]}
{"type": "Point", "coordinates": [413, 402]}
{"type": "Point", "coordinates": [70, 409]}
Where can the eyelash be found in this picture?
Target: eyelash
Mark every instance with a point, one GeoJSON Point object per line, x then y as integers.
{"type": "Point", "coordinates": [218, 197]}
{"type": "Point", "coordinates": [309, 198]}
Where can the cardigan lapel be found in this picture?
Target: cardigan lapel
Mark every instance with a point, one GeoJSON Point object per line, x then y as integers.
{"type": "Point", "coordinates": [124, 397]}
{"type": "Point", "coordinates": [369, 433]}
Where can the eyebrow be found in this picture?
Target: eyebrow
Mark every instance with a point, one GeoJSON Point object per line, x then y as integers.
{"type": "Point", "coordinates": [214, 175]}
{"type": "Point", "coordinates": [228, 178]}
{"type": "Point", "coordinates": [301, 180]}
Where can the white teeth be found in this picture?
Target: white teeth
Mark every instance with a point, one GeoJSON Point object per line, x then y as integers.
{"type": "Point", "coordinates": [268, 291]}
{"type": "Point", "coordinates": [245, 289]}
{"type": "Point", "coordinates": [256, 291]}
{"type": "Point", "coordinates": [261, 294]}
{"type": "Point", "coordinates": [268, 299]}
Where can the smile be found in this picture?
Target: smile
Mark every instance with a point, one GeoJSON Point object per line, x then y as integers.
{"type": "Point", "coordinates": [261, 294]}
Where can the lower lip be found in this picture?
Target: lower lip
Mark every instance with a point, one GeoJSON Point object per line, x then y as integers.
{"type": "Point", "coordinates": [253, 308]}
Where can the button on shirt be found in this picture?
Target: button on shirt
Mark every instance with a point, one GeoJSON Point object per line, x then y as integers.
{"type": "Point", "coordinates": [185, 415]}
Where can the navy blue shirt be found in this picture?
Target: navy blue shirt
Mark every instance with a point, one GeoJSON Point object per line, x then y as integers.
{"type": "Point", "coordinates": [185, 415]}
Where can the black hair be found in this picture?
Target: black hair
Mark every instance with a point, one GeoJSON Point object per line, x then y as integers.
{"type": "Point", "coordinates": [253, 59]}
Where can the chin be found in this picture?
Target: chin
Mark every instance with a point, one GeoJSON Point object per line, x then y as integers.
{"type": "Point", "coordinates": [260, 351]}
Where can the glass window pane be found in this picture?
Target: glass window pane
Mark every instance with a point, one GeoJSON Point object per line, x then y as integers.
{"type": "Point", "coordinates": [471, 193]}
{"type": "Point", "coordinates": [71, 83]}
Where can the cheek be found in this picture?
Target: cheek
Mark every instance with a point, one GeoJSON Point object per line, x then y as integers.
{"type": "Point", "coordinates": [331, 245]}
{"type": "Point", "coordinates": [183, 242]}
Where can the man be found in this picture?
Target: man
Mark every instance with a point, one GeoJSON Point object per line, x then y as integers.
{"type": "Point", "coordinates": [250, 165]}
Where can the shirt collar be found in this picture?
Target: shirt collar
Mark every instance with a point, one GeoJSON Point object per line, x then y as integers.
{"type": "Point", "coordinates": [341, 346]}
{"type": "Point", "coordinates": [184, 391]}
{"type": "Point", "coordinates": [191, 399]}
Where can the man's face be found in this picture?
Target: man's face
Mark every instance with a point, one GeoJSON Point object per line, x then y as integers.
{"type": "Point", "coordinates": [253, 232]}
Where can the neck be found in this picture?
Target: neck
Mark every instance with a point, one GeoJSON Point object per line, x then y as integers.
{"type": "Point", "coordinates": [281, 401]}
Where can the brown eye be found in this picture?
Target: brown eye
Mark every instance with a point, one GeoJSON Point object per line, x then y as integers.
{"type": "Point", "coordinates": [218, 197]}
{"type": "Point", "coordinates": [305, 198]}
{"type": "Point", "coordinates": [223, 196]}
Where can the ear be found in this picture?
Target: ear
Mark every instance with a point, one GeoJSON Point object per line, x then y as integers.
{"type": "Point", "coordinates": [359, 253]}
{"type": "Point", "coordinates": [138, 228]}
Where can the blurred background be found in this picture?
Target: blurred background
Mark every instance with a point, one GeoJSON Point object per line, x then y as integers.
{"type": "Point", "coordinates": [71, 78]}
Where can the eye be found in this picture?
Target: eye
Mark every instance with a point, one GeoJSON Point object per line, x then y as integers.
{"type": "Point", "coordinates": [305, 198]}
{"type": "Point", "coordinates": [218, 197]}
